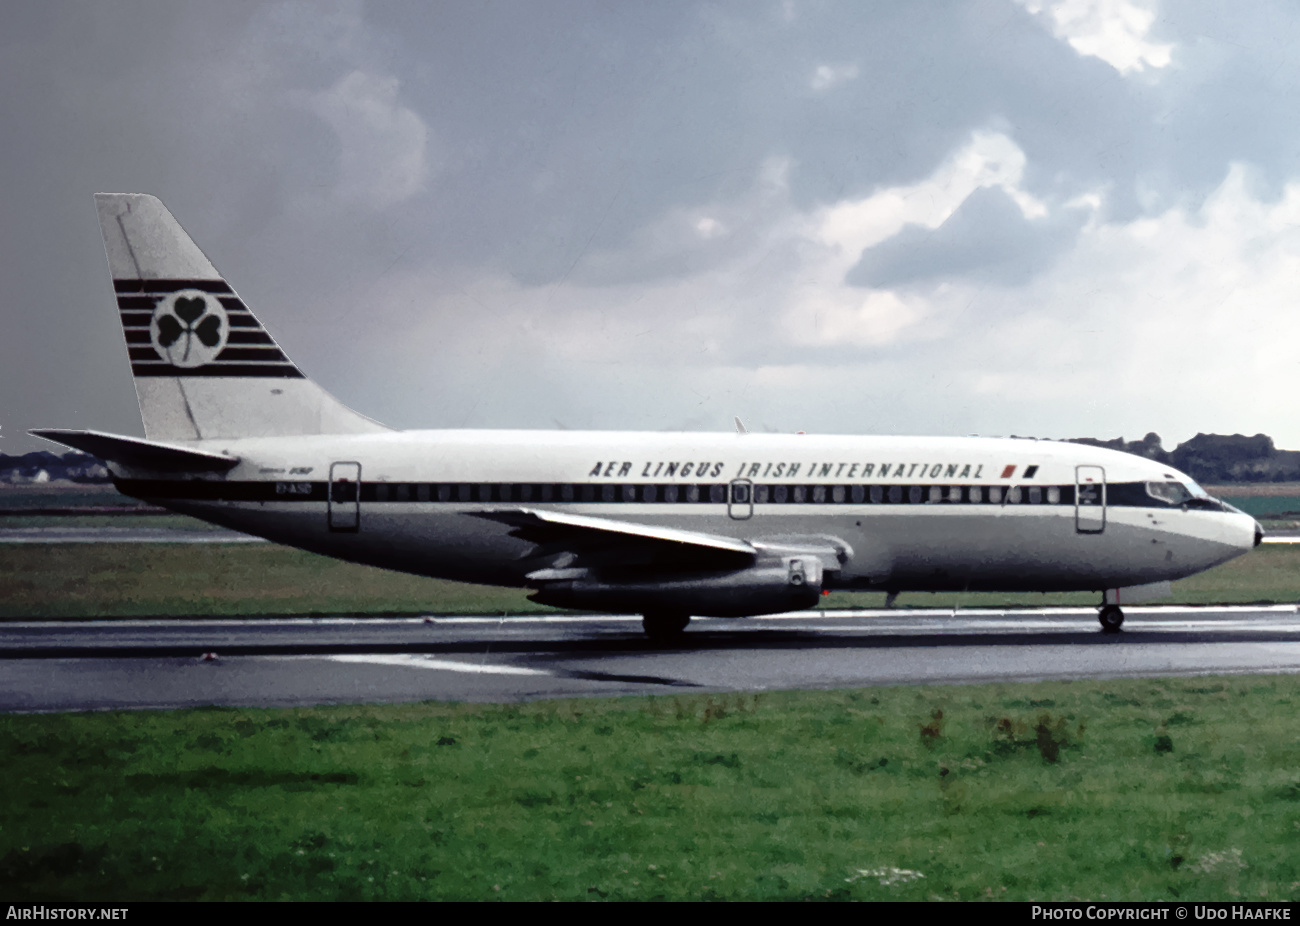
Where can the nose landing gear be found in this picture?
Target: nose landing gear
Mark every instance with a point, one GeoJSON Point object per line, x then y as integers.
{"type": "Point", "coordinates": [1111, 617]}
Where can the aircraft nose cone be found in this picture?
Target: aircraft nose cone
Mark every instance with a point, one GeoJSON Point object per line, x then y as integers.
{"type": "Point", "coordinates": [1259, 534]}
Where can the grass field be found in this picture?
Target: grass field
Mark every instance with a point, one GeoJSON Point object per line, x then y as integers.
{"type": "Point", "coordinates": [191, 580]}
{"type": "Point", "coordinates": [1119, 790]}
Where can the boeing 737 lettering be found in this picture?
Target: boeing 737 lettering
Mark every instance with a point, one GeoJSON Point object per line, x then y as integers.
{"type": "Point", "coordinates": [666, 525]}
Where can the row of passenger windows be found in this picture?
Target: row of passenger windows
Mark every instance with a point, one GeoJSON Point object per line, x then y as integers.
{"type": "Point", "coordinates": [714, 494]}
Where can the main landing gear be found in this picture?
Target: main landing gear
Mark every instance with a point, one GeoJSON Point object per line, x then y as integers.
{"type": "Point", "coordinates": [665, 626]}
{"type": "Point", "coordinates": [1111, 617]}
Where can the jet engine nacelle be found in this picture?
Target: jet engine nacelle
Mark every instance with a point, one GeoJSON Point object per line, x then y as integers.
{"type": "Point", "coordinates": [792, 584]}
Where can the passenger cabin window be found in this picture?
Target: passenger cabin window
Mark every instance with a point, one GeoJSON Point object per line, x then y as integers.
{"type": "Point", "coordinates": [976, 494]}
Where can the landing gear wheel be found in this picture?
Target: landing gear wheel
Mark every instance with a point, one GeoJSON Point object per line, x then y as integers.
{"type": "Point", "coordinates": [1112, 618]}
{"type": "Point", "coordinates": [664, 626]}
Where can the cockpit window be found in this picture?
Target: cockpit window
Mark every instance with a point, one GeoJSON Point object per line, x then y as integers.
{"type": "Point", "coordinates": [1171, 493]}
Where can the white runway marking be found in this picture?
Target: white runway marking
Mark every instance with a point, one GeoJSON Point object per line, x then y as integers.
{"type": "Point", "coordinates": [428, 662]}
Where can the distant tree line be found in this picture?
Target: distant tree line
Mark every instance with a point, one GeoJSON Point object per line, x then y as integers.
{"type": "Point", "coordinates": [44, 466]}
{"type": "Point", "coordinates": [1215, 458]}
{"type": "Point", "coordinates": [1208, 458]}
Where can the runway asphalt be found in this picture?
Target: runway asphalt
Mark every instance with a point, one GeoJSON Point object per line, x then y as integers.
{"type": "Point", "coordinates": [96, 665]}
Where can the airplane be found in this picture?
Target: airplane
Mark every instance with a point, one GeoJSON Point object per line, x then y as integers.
{"type": "Point", "coordinates": [665, 525]}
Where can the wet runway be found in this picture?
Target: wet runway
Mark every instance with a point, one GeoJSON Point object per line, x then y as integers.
{"type": "Point", "coordinates": [160, 664]}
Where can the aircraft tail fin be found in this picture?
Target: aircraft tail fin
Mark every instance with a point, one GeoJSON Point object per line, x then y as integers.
{"type": "Point", "coordinates": [204, 366]}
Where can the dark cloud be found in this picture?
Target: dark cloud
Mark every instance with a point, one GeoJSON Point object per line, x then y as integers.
{"type": "Point", "coordinates": [987, 239]}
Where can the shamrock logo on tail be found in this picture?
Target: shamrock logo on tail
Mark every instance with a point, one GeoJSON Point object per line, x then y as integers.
{"type": "Point", "coordinates": [189, 328]}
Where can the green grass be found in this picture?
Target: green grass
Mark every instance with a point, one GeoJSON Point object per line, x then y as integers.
{"type": "Point", "coordinates": [193, 580]}
{"type": "Point", "coordinates": [115, 522]}
{"type": "Point", "coordinates": [1267, 506]}
{"type": "Point", "coordinates": [76, 580]}
{"type": "Point", "coordinates": [1118, 790]}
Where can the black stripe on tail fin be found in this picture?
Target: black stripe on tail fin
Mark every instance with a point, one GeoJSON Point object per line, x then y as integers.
{"type": "Point", "coordinates": [196, 328]}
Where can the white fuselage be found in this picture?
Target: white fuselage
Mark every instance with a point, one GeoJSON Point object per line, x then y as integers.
{"type": "Point", "coordinates": [913, 513]}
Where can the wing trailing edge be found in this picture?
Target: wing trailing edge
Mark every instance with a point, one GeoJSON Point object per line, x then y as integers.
{"type": "Point", "coordinates": [579, 534]}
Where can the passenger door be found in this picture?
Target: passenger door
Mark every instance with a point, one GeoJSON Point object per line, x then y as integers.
{"type": "Point", "coordinates": [1089, 499]}
{"type": "Point", "coordinates": [344, 496]}
{"type": "Point", "coordinates": [740, 499]}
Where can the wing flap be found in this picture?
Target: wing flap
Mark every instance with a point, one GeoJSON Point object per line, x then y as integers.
{"type": "Point", "coordinates": [134, 452]}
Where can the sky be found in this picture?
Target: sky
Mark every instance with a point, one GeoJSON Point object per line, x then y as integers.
{"type": "Point", "coordinates": [1058, 219]}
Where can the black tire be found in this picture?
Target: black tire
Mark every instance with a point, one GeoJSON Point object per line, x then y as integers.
{"type": "Point", "coordinates": [662, 626]}
{"type": "Point", "coordinates": [1112, 618]}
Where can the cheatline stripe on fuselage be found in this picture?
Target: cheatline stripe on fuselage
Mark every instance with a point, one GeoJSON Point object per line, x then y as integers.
{"type": "Point", "coordinates": [1123, 494]}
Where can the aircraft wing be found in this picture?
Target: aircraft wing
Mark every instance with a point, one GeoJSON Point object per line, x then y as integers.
{"type": "Point", "coordinates": [607, 542]}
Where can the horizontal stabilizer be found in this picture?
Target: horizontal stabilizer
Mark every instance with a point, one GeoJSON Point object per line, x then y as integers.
{"type": "Point", "coordinates": [134, 452]}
